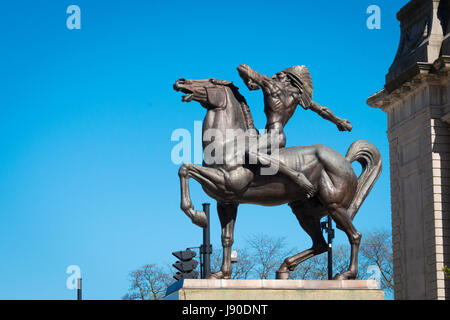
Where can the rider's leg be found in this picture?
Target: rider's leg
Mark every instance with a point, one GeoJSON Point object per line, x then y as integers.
{"type": "Point", "coordinates": [263, 153]}
{"type": "Point", "coordinates": [298, 177]}
{"type": "Point", "coordinates": [275, 140]}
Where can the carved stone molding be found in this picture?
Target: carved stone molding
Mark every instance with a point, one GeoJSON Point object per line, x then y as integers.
{"type": "Point", "coordinates": [410, 79]}
{"type": "Point", "coordinates": [446, 118]}
{"type": "Point", "coordinates": [421, 36]}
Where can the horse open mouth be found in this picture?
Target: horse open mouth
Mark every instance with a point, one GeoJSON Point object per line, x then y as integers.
{"type": "Point", "coordinates": [187, 97]}
{"type": "Point", "coordinates": [189, 94]}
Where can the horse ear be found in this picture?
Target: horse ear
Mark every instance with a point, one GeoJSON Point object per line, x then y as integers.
{"type": "Point", "coordinates": [217, 97]}
{"type": "Point", "coordinates": [221, 82]}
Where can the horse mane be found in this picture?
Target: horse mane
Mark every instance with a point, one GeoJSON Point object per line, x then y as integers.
{"type": "Point", "coordinates": [244, 106]}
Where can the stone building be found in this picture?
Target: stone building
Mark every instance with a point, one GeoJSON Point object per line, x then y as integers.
{"type": "Point", "coordinates": [416, 99]}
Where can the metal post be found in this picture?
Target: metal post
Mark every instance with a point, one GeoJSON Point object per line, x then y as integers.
{"type": "Point", "coordinates": [327, 226]}
{"type": "Point", "coordinates": [79, 296]}
{"type": "Point", "coordinates": [330, 232]}
{"type": "Point", "coordinates": [206, 247]}
{"type": "Point", "coordinates": [200, 258]}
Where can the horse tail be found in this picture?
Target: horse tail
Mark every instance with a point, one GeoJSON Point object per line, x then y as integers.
{"type": "Point", "coordinates": [370, 159]}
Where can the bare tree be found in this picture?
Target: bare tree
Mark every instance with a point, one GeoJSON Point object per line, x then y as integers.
{"type": "Point", "coordinates": [264, 255]}
{"type": "Point", "coordinates": [376, 249]}
{"type": "Point", "coordinates": [316, 268]}
{"type": "Point", "coordinates": [148, 283]}
{"type": "Point", "coordinates": [245, 265]}
{"type": "Point", "coordinates": [267, 253]}
{"type": "Point", "coordinates": [216, 261]}
{"type": "Point", "coordinates": [242, 269]}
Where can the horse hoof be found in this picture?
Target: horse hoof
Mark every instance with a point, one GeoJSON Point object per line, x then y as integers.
{"type": "Point", "coordinates": [344, 276]}
{"type": "Point", "coordinates": [216, 276]}
{"type": "Point", "coordinates": [339, 277]}
{"type": "Point", "coordinates": [282, 275]}
{"type": "Point", "coordinates": [199, 218]}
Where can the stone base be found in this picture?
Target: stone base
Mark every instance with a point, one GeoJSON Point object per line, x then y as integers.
{"type": "Point", "coordinates": [195, 289]}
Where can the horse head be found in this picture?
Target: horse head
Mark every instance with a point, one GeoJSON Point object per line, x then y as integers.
{"type": "Point", "coordinates": [210, 93]}
{"type": "Point", "coordinates": [214, 94]}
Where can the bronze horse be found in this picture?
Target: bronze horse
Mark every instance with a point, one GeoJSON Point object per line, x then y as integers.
{"type": "Point", "coordinates": [340, 192]}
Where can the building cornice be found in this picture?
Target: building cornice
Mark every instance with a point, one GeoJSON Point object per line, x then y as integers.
{"type": "Point", "coordinates": [410, 79]}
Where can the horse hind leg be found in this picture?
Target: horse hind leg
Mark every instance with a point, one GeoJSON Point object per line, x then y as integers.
{"type": "Point", "coordinates": [344, 222]}
{"type": "Point", "coordinates": [311, 224]}
{"type": "Point", "coordinates": [227, 216]}
{"type": "Point", "coordinates": [336, 193]}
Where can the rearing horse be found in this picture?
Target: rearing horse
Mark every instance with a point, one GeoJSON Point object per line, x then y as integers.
{"type": "Point", "coordinates": [340, 192]}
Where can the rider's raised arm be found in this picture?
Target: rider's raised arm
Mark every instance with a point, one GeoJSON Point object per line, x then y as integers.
{"type": "Point", "coordinates": [252, 78]}
{"type": "Point", "coordinates": [326, 113]}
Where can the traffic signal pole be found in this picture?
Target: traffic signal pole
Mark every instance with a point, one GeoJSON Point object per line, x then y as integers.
{"type": "Point", "coordinates": [330, 232]}
{"type": "Point", "coordinates": [186, 265]}
{"type": "Point", "coordinates": [79, 295]}
{"type": "Point", "coordinates": [206, 248]}
{"type": "Point", "coordinates": [328, 228]}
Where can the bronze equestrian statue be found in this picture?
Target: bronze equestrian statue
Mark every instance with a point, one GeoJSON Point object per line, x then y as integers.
{"type": "Point", "coordinates": [336, 190]}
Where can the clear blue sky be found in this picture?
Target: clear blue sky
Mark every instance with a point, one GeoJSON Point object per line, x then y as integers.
{"type": "Point", "coordinates": [86, 118]}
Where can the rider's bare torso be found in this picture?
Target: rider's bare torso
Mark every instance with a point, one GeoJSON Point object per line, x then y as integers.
{"type": "Point", "coordinates": [280, 103]}
{"type": "Point", "coordinates": [279, 107]}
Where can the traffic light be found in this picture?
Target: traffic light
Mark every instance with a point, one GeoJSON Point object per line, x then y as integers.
{"type": "Point", "coordinates": [186, 265]}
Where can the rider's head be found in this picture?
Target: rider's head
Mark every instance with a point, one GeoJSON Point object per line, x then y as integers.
{"type": "Point", "coordinates": [282, 77]}
{"type": "Point", "coordinates": [300, 78]}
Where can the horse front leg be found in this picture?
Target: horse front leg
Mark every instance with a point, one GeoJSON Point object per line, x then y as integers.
{"type": "Point", "coordinates": [198, 217]}
{"type": "Point", "coordinates": [227, 216]}
{"type": "Point", "coordinates": [210, 179]}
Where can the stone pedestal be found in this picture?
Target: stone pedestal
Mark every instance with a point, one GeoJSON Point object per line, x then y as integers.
{"type": "Point", "coordinates": [274, 290]}
{"type": "Point", "coordinates": [416, 99]}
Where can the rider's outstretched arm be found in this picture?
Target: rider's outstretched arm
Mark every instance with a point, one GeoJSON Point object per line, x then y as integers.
{"type": "Point", "coordinates": [326, 113]}
{"type": "Point", "coordinates": [252, 78]}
